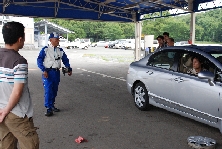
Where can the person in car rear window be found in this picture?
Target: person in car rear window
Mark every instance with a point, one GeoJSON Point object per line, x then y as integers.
{"type": "Point", "coordinates": [197, 66]}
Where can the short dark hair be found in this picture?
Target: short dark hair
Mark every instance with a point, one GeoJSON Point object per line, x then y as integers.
{"type": "Point", "coordinates": [12, 31]}
{"type": "Point", "coordinates": [171, 39]}
{"type": "Point", "coordinates": [160, 36]}
{"type": "Point", "coordinates": [197, 57]}
{"type": "Point", "coordinates": [166, 33]}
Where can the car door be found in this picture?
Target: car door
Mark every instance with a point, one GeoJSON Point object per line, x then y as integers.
{"type": "Point", "coordinates": [158, 76]}
{"type": "Point", "coordinates": [196, 97]}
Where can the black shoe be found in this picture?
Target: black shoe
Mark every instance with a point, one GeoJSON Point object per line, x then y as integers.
{"type": "Point", "coordinates": [55, 109]}
{"type": "Point", "coordinates": [49, 112]}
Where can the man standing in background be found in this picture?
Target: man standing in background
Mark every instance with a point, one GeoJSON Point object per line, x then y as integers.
{"type": "Point", "coordinates": [49, 61]}
{"type": "Point", "coordinates": [160, 40]}
{"type": "Point", "coordinates": [166, 36]}
{"type": "Point", "coordinates": [170, 42]}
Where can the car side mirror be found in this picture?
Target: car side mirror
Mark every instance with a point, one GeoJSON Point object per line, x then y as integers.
{"type": "Point", "coordinates": [207, 75]}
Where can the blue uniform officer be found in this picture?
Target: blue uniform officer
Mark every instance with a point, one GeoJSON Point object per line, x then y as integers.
{"type": "Point", "coordinates": [49, 61]}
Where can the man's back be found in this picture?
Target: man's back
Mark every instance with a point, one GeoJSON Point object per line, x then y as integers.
{"type": "Point", "coordinates": [16, 111]}
{"type": "Point", "coordinates": [8, 58]}
{"type": "Point", "coordinates": [14, 69]}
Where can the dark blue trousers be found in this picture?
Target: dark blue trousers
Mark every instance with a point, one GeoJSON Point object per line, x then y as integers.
{"type": "Point", "coordinates": [51, 85]}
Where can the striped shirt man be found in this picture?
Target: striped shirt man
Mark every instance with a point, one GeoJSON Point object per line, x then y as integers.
{"type": "Point", "coordinates": [14, 71]}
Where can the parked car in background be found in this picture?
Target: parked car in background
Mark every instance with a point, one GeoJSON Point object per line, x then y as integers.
{"type": "Point", "coordinates": [101, 44]}
{"type": "Point", "coordinates": [63, 42]}
{"type": "Point", "coordinates": [129, 45]}
{"type": "Point", "coordinates": [93, 44]}
{"type": "Point", "coordinates": [181, 43]}
{"type": "Point", "coordinates": [112, 43]}
{"type": "Point", "coordinates": [83, 45]}
{"type": "Point", "coordinates": [162, 79]}
{"type": "Point", "coordinates": [119, 44]}
{"type": "Point", "coordinates": [72, 45]}
{"type": "Point", "coordinates": [77, 44]}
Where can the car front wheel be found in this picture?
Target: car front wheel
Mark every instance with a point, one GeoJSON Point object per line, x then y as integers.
{"type": "Point", "coordinates": [141, 98]}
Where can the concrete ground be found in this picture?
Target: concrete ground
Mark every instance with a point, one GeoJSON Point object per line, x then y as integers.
{"type": "Point", "coordinates": [95, 104]}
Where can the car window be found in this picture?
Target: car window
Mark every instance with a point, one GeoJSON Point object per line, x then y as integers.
{"type": "Point", "coordinates": [218, 57]}
{"type": "Point", "coordinates": [163, 60]}
{"type": "Point", "coordinates": [186, 64]}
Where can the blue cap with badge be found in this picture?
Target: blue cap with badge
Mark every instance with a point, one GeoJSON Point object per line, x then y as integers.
{"type": "Point", "coordinates": [54, 35]}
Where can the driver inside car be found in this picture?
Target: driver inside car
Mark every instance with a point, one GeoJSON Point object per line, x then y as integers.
{"type": "Point", "coordinates": [197, 66]}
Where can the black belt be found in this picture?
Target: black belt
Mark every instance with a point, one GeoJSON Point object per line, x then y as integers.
{"type": "Point", "coordinates": [52, 69]}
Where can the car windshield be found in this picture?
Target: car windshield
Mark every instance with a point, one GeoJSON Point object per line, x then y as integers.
{"type": "Point", "coordinates": [218, 56]}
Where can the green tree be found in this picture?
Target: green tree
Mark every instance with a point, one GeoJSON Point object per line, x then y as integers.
{"type": "Point", "coordinates": [113, 31]}
{"type": "Point", "coordinates": [208, 27]}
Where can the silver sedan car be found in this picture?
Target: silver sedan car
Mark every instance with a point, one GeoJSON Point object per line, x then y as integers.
{"type": "Point", "coordinates": [183, 79]}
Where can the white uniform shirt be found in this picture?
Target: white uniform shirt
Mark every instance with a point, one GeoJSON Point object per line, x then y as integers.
{"type": "Point", "coordinates": [53, 57]}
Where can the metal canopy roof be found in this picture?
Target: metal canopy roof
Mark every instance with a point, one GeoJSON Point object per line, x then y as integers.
{"type": "Point", "coordinates": [51, 27]}
{"type": "Point", "coordinates": [104, 10]}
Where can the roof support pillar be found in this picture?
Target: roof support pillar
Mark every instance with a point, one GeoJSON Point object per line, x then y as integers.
{"type": "Point", "coordinates": [192, 27]}
{"type": "Point", "coordinates": [39, 44]}
{"type": "Point", "coordinates": [192, 22]}
{"type": "Point", "coordinates": [46, 35]}
{"type": "Point", "coordinates": [138, 29]}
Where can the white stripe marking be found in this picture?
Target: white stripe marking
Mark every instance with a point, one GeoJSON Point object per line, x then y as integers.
{"type": "Point", "coordinates": [103, 75]}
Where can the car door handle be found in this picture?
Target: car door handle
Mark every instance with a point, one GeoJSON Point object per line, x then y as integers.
{"type": "Point", "coordinates": [149, 72]}
{"type": "Point", "coordinates": [179, 80]}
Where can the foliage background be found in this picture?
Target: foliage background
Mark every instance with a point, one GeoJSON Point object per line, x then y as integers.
{"type": "Point", "coordinates": [208, 28]}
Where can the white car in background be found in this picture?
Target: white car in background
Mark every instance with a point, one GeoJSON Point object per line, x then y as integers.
{"type": "Point", "coordinates": [100, 44]}
{"type": "Point", "coordinates": [63, 42]}
{"type": "Point", "coordinates": [129, 45]}
{"type": "Point", "coordinates": [78, 43]}
{"type": "Point", "coordinates": [181, 43]}
{"type": "Point", "coordinates": [83, 45]}
{"type": "Point", "coordinates": [120, 44]}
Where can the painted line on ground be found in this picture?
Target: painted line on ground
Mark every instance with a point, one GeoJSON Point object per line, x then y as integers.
{"type": "Point", "coordinates": [103, 75]}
